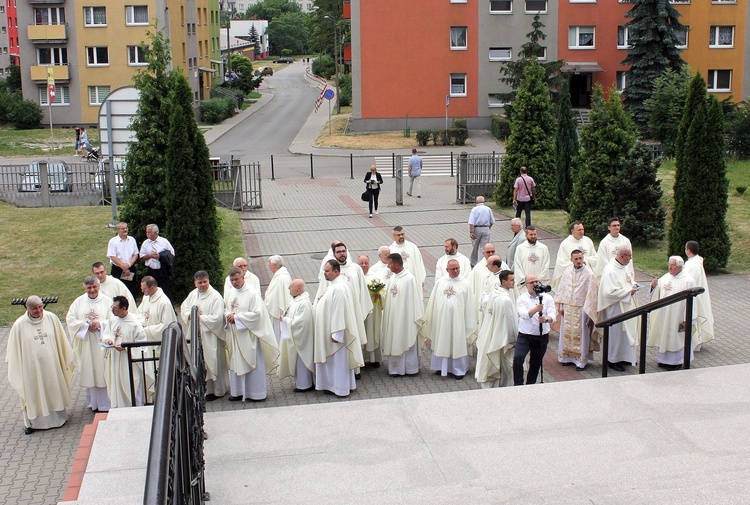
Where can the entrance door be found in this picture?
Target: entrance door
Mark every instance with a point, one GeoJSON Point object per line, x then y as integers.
{"type": "Point", "coordinates": [580, 90]}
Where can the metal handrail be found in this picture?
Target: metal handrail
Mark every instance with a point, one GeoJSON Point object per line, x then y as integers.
{"type": "Point", "coordinates": [175, 471]}
{"type": "Point", "coordinates": [142, 360]}
{"type": "Point", "coordinates": [643, 312]}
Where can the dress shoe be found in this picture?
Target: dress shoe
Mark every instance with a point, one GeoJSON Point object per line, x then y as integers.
{"type": "Point", "coordinates": [616, 366]}
{"type": "Point", "coordinates": [671, 368]}
{"type": "Point", "coordinates": [567, 363]}
{"type": "Point", "coordinates": [438, 372]}
{"type": "Point", "coordinates": [211, 397]}
{"type": "Point", "coordinates": [28, 431]}
{"type": "Point", "coordinates": [580, 368]}
{"type": "Point", "coordinates": [418, 196]}
{"type": "Point", "coordinates": [408, 194]}
{"type": "Point", "coordinates": [395, 375]}
{"type": "Point", "coordinates": [370, 216]}
{"type": "Point", "coordinates": [374, 364]}
{"type": "Point", "coordinates": [458, 377]}
{"type": "Point", "coordinates": [298, 390]}
{"type": "Point", "coordinates": [357, 376]}
{"type": "Point", "coordinates": [235, 398]}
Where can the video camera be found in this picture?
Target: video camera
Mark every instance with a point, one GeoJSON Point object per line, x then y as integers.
{"type": "Point", "coordinates": [540, 288]}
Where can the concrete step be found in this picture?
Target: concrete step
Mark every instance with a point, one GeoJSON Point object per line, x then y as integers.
{"type": "Point", "coordinates": [670, 437]}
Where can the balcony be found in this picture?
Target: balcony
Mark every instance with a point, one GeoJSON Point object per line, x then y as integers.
{"type": "Point", "coordinates": [45, 34]}
{"type": "Point", "coordinates": [46, 1]}
{"type": "Point", "coordinates": [39, 73]}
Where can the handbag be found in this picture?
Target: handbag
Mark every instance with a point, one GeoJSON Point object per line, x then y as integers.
{"type": "Point", "coordinates": [531, 199]}
{"type": "Point", "coordinates": [366, 196]}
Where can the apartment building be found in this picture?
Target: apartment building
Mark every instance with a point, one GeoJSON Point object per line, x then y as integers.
{"type": "Point", "coordinates": [91, 48]}
{"type": "Point", "coordinates": [8, 36]}
{"type": "Point", "coordinates": [419, 62]}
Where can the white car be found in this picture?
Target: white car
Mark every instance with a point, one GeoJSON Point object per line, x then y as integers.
{"type": "Point", "coordinates": [57, 175]}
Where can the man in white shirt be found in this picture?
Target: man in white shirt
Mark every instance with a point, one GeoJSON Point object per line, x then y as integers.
{"type": "Point", "coordinates": [481, 220]}
{"type": "Point", "coordinates": [122, 251]}
{"type": "Point", "coordinates": [532, 313]}
{"type": "Point", "coordinates": [151, 250]}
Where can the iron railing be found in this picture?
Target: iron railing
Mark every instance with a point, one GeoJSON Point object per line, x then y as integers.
{"type": "Point", "coordinates": [175, 470]}
{"type": "Point", "coordinates": [643, 312]}
{"type": "Point", "coordinates": [143, 361]}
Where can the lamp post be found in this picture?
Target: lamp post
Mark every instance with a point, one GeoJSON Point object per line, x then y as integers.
{"type": "Point", "coordinates": [336, 59]}
{"type": "Point", "coordinates": [230, 9]}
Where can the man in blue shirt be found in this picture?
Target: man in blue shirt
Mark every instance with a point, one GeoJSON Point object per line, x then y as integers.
{"type": "Point", "coordinates": [415, 170]}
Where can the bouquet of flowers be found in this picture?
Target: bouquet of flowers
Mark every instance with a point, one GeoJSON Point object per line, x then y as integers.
{"type": "Point", "coordinates": [376, 288]}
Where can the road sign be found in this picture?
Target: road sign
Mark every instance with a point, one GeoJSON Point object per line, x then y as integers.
{"type": "Point", "coordinates": [328, 95]}
{"type": "Point", "coordinates": [52, 91]}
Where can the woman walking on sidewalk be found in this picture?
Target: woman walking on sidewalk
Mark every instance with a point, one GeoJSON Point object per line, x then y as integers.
{"type": "Point", "coordinates": [373, 180]}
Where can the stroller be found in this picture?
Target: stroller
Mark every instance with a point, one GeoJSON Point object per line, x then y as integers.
{"type": "Point", "coordinates": [92, 153]}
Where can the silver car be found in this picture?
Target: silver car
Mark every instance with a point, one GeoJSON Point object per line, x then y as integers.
{"type": "Point", "coordinates": [57, 175]}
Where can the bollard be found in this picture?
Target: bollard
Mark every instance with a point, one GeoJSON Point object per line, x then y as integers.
{"type": "Point", "coordinates": [273, 177]}
{"type": "Point", "coordinates": [312, 176]}
{"type": "Point", "coordinates": [351, 166]}
{"type": "Point", "coordinates": [393, 164]}
{"type": "Point", "coordinates": [451, 163]}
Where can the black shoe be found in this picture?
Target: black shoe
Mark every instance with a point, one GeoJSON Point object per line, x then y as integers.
{"type": "Point", "coordinates": [458, 377]}
{"type": "Point", "coordinates": [567, 363]}
{"type": "Point", "coordinates": [28, 431]}
{"type": "Point", "coordinates": [438, 372]}
{"type": "Point", "coordinates": [412, 374]}
{"type": "Point", "coordinates": [298, 390]}
{"type": "Point", "coordinates": [375, 364]}
{"type": "Point", "coordinates": [212, 397]}
{"type": "Point", "coordinates": [395, 375]}
{"type": "Point", "coordinates": [672, 368]}
{"type": "Point", "coordinates": [580, 368]}
{"type": "Point", "coordinates": [616, 366]}
{"type": "Point", "coordinates": [235, 398]}
{"type": "Point", "coordinates": [357, 376]}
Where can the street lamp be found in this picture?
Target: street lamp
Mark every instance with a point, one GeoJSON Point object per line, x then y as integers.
{"type": "Point", "coordinates": [230, 8]}
{"type": "Point", "coordinates": [336, 59]}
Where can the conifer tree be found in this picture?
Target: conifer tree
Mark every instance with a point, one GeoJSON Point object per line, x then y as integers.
{"type": "Point", "coordinates": [653, 49]}
{"type": "Point", "coordinates": [665, 106]}
{"type": "Point", "coordinates": [531, 142]}
{"type": "Point", "coordinates": [605, 144]}
{"type": "Point", "coordinates": [566, 147]}
{"type": "Point", "coordinates": [700, 188]}
{"type": "Point", "coordinates": [638, 196]}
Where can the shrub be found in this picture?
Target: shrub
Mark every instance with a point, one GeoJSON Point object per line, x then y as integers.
{"type": "Point", "coordinates": [459, 122]}
{"type": "Point", "coordinates": [435, 136]}
{"type": "Point", "coordinates": [286, 52]}
{"type": "Point", "coordinates": [423, 137]}
{"type": "Point", "coordinates": [738, 128]}
{"type": "Point", "coordinates": [323, 66]}
{"type": "Point", "coordinates": [500, 127]}
{"type": "Point", "coordinates": [216, 110]}
{"type": "Point", "coordinates": [459, 136]}
{"type": "Point", "coordinates": [7, 102]}
{"type": "Point", "coordinates": [26, 115]}
{"type": "Point", "coordinates": [345, 87]}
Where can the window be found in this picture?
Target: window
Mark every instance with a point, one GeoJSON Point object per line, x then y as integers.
{"type": "Point", "coordinates": [136, 56]}
{"type": "Point", "coordinates": [719, 80]}
{"type": "Point", "coordinates": [49, 16]}
{"type": "Point", "coordinates": [458, 37]}
{"type": "Point", "coordinates": [581, 37]}
{"type": "Point", "coordinates": [52, 56]}
{"type": "Point", "coordinates": [494, 101]}
{"type": "Point", "coordinates": [501, 6]}
{"type": "Point", "coordinates": [459, 1]}
{"type": "Point", "coordinates": [95, 16]}
{"type": "Point", "coordinates": [536, 5]}
{"type": "Point", "coordinates": [97, 94]}
{"type": "Point", "coordinates": [723, 1]}
{"type": "Point", "coordinates": [62, 95]}
{"type": "Point", "coordinates": [458, 85]}
{"type": "Point", "coordinates": [583, 1]}
{"type": "Point", "coordinates": [501, 53]}
{"type": "Point", "coordinates": [541, 53]}
{"type": "Point", "coordinates": [97, 56]}
{"type": "Point", "coordinates": [682, 37]}
{"type": "Point", "coordinates": [136, 15]}
{"type": "Point", "coordinates": [679, 1]}
{"type": "Point", "coordinates": [623, 37]}
{"type": "Point", "coordinates": [620, 80]}
{"type": "Point", "coordinates": [721, 36]}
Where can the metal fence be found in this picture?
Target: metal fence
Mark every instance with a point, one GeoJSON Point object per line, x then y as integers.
{"type": "Point", "coordinates": [478, 174]}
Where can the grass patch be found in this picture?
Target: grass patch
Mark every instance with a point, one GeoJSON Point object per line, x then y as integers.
{"type": "Point", "coordinates": [39, 142]}
{"type": "Point", "coordinates": [652, 257]}
{"type": "Point", "coordinates": [61, 244]}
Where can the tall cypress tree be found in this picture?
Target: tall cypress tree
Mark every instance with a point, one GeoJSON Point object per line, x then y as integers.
{"type": "Point", "coordinates": [638, 196]}
{"type": "Point", "coordinates": [652, 50]}
{"type": "Point", "coordinates": [665, 107]}
{"type": "Point", "coordinates": [566, 147]}
{"type": "Point", "coordinates": [531, 142]}
{"type": "Point", "coordinates": [700, 188]}
{"type": "Point", "coordinates": [605, 145]}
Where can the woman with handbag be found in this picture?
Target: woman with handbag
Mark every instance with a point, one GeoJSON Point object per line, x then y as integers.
{"type": "Point", "coordinates": [373, 180]}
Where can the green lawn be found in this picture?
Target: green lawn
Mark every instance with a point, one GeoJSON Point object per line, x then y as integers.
{"type": "Point", "coordinates": [40, 142]}
{"type": "Point", "coordinates": [49, 252]}
{"type": "Point", "coordinates": [652, 258]}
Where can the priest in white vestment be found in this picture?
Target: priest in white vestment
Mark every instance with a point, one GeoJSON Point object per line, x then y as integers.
{"type": "Point", "coordinates": [250, 278]}
{"type": "Point", "coordinates": [480, 272]}
{"type": "Point", "coordinates": [212, 323]}
{"type": "Point", "coordinates": [450, 323]}
{"type": "Point", "coordinates": [409, 251]}
{"type": "Point", "coordinates": [617, 291]}
{"type": "Point", "coordinates": [380, 269]}
{"type": "Point", "coordinates": [122, 328]}
{"type": "Point", "coordinates": [297, 346]}
{"type": "Point", "coordinates": [371, 351]}
{"type": "Point", "coordinates": [156, 310]}
{"type": "Point", "coordinates": [666, 326]}
{"type": "Point", "coordinates": [532, 257]}
{"type": "Point", "coordinates": [704, 314]}
{"type": "Point", "coordinates": [87, 316]}
{"type": "Point", "coordinates": [338, 352]}
{"type": "Point", "coordinates": [328, 256]}
{"type": "Point", "coordinates": [277, 295]}
{"type": "Point", "coordinates": [451, 253]}
{"type": "Point", "coordinates": [403, 316]}
{"type": "Point", "coordinates": [111, 286]}
{"type": "Point", "coordinates": [576, 298]}
{"type": "Point", "coordinates": [577, 240]}
{"type": "Point", "coordinates": [497, 336]}
{"type": "Point", "coordinates": [519, 236]}
{"type": "Point", "coordinates": [40, 367]}
{"type": "Point", "coordinates": [251, 344]}
{"type": "Point", "coordinates": [609, 245]}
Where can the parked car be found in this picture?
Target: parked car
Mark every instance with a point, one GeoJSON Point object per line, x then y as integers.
{"type": "Point", "coordinates": [264, 71]}
{"type": "Point", "coordinates": [58, 178]}
{"type": "Point", "coordinates": [284, 59]}
{"type": "Point", "coordinates": [101, 178]}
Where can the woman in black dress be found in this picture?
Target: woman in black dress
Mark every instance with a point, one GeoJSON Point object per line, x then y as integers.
{"type": "Point", "coordinates": [373, 180]}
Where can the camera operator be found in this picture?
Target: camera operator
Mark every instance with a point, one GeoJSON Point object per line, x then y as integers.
{"type": "Point", "coordinates": [536, 309]}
